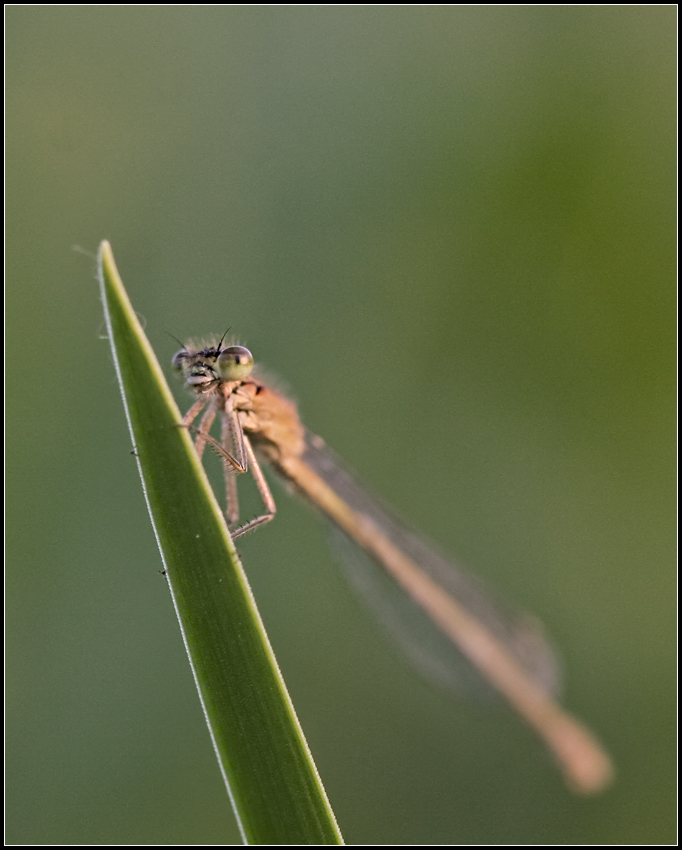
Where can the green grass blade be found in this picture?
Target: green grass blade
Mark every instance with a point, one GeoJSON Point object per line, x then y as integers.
{"type": "Point", "coordinates": [272, 781]}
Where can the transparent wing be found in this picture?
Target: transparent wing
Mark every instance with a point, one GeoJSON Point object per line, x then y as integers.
{"type": "Point", "coordinates": [431, 651]}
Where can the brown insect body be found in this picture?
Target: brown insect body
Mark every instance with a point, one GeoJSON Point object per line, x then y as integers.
{"type": "Point", "coordinates": [510, 653]}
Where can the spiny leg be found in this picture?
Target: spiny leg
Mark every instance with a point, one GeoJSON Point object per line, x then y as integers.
{"type": "Point", "coordinates": [193, 412]}
{"type": "Point", "coordinates": [214, 444]}
{"type": "Point", "coordinates": [263, 489]}
{"type": "Point", "coordinates": [233, 425]}
{"type": "Point", "coordinates": [232, 498]}
{"type": "Point", "coordinates": [204, 429]}
{"type": "Point", "coordinates": [244, 450]}
{"type": "Point", "coordinates": [206, 422]}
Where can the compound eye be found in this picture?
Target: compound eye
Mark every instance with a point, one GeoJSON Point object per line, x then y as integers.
{"type": "Point", "coordinates": [235, 363]}
{"type": "Point", "coordinates": [178, 358]}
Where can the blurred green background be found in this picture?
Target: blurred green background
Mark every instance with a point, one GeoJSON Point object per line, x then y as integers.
{"type": "Point", "coordinates": [451, 231]}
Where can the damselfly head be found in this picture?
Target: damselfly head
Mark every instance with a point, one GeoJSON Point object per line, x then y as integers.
{"type": "Point", "coordinates": [203, 369]}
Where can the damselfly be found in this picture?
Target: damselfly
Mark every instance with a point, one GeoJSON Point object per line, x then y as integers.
{"type": "Point", "coordinates": [406, 579]}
